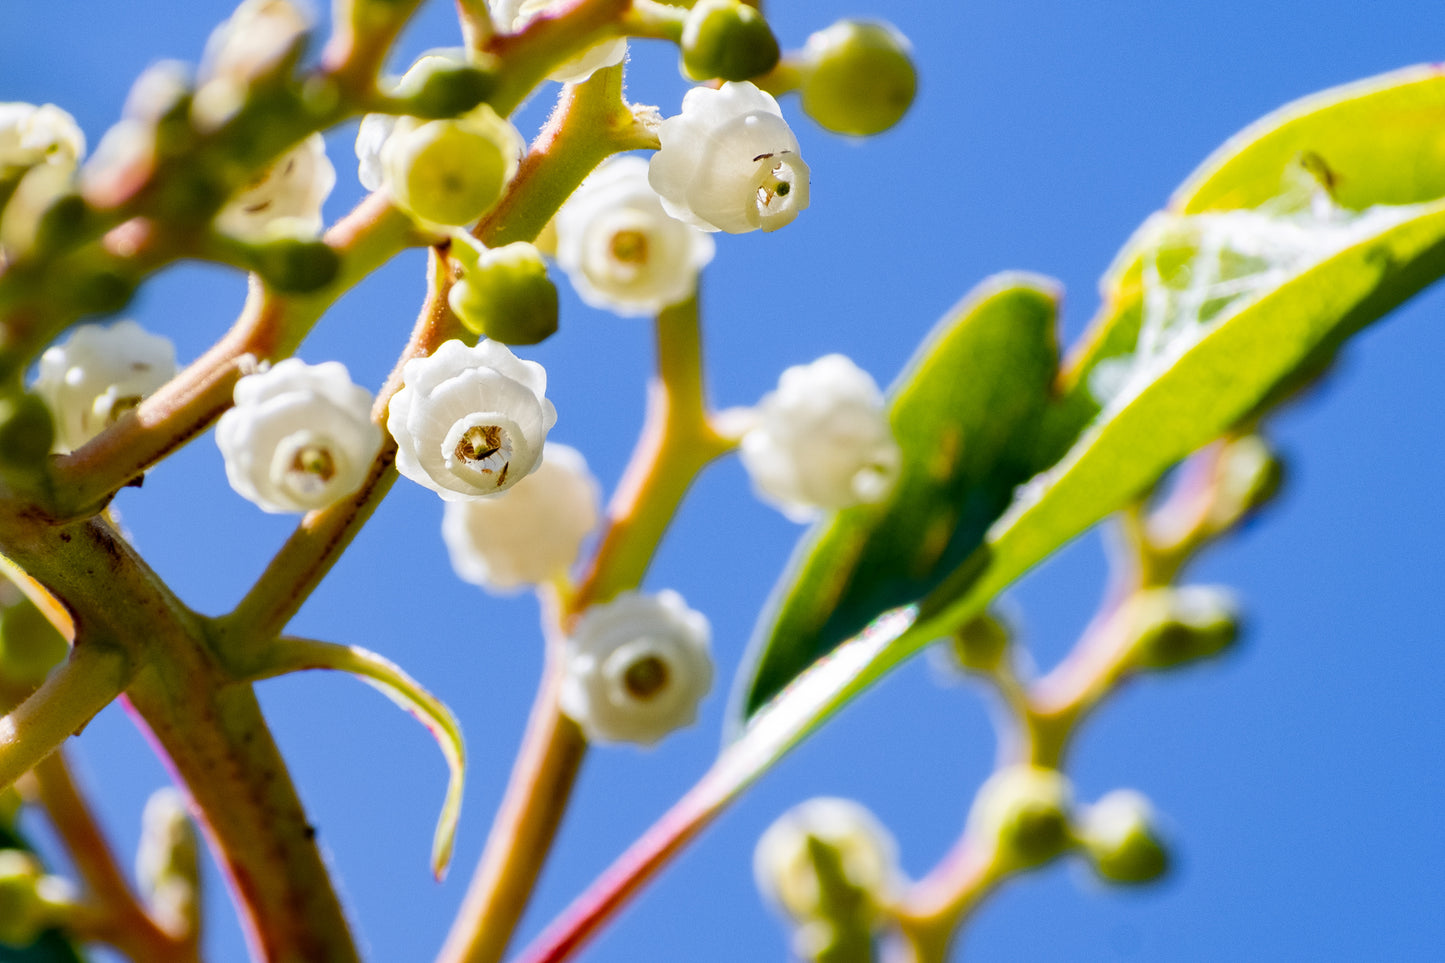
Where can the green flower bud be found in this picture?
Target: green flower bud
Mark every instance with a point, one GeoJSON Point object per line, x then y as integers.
{"type": "Point", "coordinates": [23, 911]}
{"type": "Point", "coordinates": [505, 294]}
{"type": "Point", "coordinates": [1119, 835]}
{"type": "Point", "coordinates": [857, 77]}
{"type": "Point", "coordinates": [1173, 626]}
{"type": "Point", "coordinates": [727, 39]}
{"type": "Point", "coordinates": [1249, 477]}
{"type": "Point", "coordinates": [980, 645]}
{"type": "Point", "coordinates": [450, 171]}
{"type": "Point", "coordinates": [437, 87]}
{"type": "Point", "coordinates": [827, 860]}
{"type": "Point", "coordinates": [29, 645]}
{"type": "Point", "coordinates": [292, 265]}
{"type": "Point", "coordinates": [1024, 812]}
{"type": "Point", "coordinates": [27, 432]}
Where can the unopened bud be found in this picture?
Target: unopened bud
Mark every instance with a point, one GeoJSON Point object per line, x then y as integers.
{"type": "Point", "coordinates": [23, 910]}
{"type": "Point", "coordinates": [857, 77]}
{"type": "Point", "coordinates": [505, 295]}
{"type": "Point", "coordinates": [450, 171]}
{"type": "Point", "coordinates": [981, 643]}
{"type": "Point", "coordinates": [827, 859]}
{"type": "Point", "coordinates": [439, 87]}
{"type": "Point", "coordinates": [1248, 479]}
{"type": "Point", "coordinates": [1174, 626]}
{"type": "Point", "coordinates": [1024, 812]}
{"type": "Point", "coordinates": [29, 645]}
{"type": "Point", "coordinates": [27, 432]}
{"type": "Point", "coordinates": [294, 265]}
{"type": "Point", "coordinates": [1119, 834]}
{"type": "Point", "coordinates": [728, 40]}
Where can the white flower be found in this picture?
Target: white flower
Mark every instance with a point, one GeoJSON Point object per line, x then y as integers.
{"type": "Point", "coordinates": [637, 667]}
{"type": "Point", "coordinates": [821, 440]}
{"type": "Point", "coordinates": [98, 374]}
{"type": "Point", "coordinates": [784, 866]}
{"type": "Point", "coordinates": [622, 251]}
{"type": "Point", "coordinates": [470, 421]}
{"type": "Point", "coordinates": [32, 135]}
{"type": "Point", "coordinates": [528, 533]}
{"type": "Point", "coordinates": [729, 162]}
{"type": "Point", "coordinates": [287, 195]}
{"type": "Point", "coordinates": [252, 42]}
{"type": "Point", "coordinates": [511, 16]}
{"type": "Point", "coordinates": [299, 438]}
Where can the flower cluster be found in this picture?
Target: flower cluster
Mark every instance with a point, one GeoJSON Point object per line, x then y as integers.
{"type": "Point", "coordinates": [98, 374]}
{"type": "Point", "coordinates": [637, 667]}
{"type": "Point", "coordinates": [300, 436]}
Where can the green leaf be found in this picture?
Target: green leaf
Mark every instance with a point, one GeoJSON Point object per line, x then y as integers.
{"type": "Point", "coordinates": [965, 414]}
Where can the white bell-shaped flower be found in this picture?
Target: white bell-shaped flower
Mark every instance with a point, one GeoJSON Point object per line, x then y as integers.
{"type": "Point", "coordinates": [470, 421]}
{"type": "Point", "coordinates": [511, 16]}
{"type": "Point", "coordinates": [98, 374]}
{"type": "Point", "coordinates": [637, 667]}
{"type": "Point", "coordinates": [729, 162]}
{"type": "Point", "coordinates": [300, 436]}
{"type": "Point", "coordinates": [287, 196]}
{"type": "Point", "coordinates": [253, 40]}
{"type": "Point", "coordinates": [821, 441]}
{"type": "Point", "coordinates": [530, 532]}
{"type": "Point", "coordinates": [621, 250]}
{"type": "Point", "coordinates": [31, 134]}
{"type": "Point", "coordinates": [865, 852]}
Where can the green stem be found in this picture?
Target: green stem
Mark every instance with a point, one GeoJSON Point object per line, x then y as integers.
{"type": "Point", "coordinates": [524, 829]}
{"type": "Point", "coordinates": [591, 123]}
{"type": "Point", "coordinates": [550, 39]}
{"type": "Point", "coordinates": [677, 442]}
{"type": "Point", "coordinates": [73, 693]}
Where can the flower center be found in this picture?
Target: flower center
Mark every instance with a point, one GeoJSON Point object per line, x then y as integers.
{"type": "Point", "coordinates": [776, 185]}
{"type": "Point", "coordinates": [486, 448]}
{"type": "Point", "coordinates": [646, 677]}
{"type": "Point", "coordinates": [629, 247]}
{"type": "Point", "coordinates": [314, 461]}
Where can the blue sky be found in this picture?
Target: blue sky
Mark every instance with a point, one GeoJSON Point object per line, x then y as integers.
{"type": "Point", "coordinates": [1301, 777]}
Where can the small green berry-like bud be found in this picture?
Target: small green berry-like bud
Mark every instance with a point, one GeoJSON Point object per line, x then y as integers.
{"type": "Point", "coordinates": [437, 87]}
{"type": "Point", "coordinates": [1173, 626]}
{"type": "Point", "coordinates": [1249, 477]}
{"type": "Point", "coordinates": [293, 265]}
{"type": "Point", "coordinates": [727, 39]}
{"type": "Point", "coordinates": [450, 171]}
{"type": "Point", "coordinates": [1119, 835]}
{"type": "Point", "coordinates": [29, 645]}
{"type": "Point", "coordinates": [857, 77]}
{"type": "Point", "coordinates": [507, 296]}
{"type": "Point", "coordinates": [23, 911]}
{"type": "Point", "coordinates": [27, 432]}
{"type": "Point", "coordinates": [1024, 811]}
{"type": "Point", "coordinates": [979, 645]}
